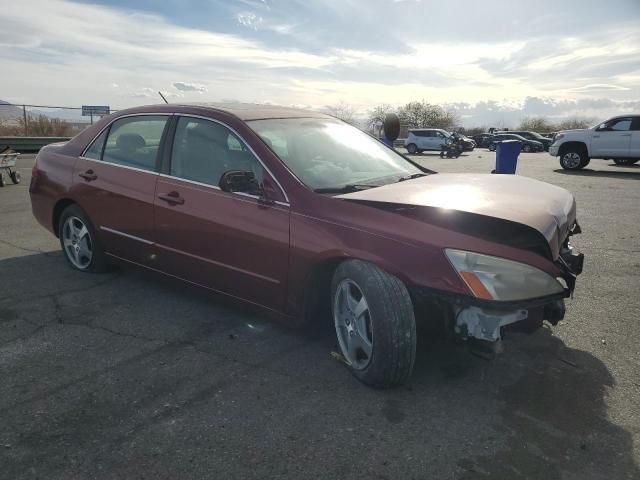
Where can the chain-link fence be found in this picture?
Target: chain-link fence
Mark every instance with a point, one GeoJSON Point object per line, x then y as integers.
{"type": "Point", "coordinates": [41, 120]}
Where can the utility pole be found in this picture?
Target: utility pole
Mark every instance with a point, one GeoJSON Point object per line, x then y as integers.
{"type": "Point", "coordinates": [24, 117]}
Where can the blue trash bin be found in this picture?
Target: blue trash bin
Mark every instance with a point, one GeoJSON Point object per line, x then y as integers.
{"type": "Point", "coordinates": [507, 153]}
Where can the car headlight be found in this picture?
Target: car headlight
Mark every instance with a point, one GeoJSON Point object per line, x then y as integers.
{"type": "Point", "coordinates": [557, 137]}
{"type": "Point", "coordinates": [494, 278]}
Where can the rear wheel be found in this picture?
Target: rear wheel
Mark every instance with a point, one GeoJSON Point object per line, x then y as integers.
{"type": "Point", "coordinates": [573, 159]}
{"type": "Point", "coordinates": [412, 148]}
{"type": "Point", "coordinates": [374, 322]}
{"type": "Point", "coordinates": [526, 148]}
{"type": "Point", "coordinates": [80, 242]}
{"type": "Point", "coordinates": [15, 177]}
{"type": "Point", "coordinates": [492, 147]}
{"type": "Point", "coordinates": [625, 161]}
{"type": "Point", "coordinates": [2, 182]}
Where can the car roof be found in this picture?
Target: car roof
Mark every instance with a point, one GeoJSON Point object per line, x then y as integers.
{"type": "Point", "coordinates": [243, 111]}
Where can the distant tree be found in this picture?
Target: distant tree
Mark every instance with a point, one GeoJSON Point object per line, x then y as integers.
{"type": "Point", "coordinates": [377, 113]}
{"type": "Point", "coordinates": [475, 130]}
{"type": "Point", "coordinates": [575, 123]}
{"type": "Point", "coordinates": [423, 114]}
{"type": "Point", "coordinates": [536, 124]}
{"type": "Point", "coordinates": [343, 111]}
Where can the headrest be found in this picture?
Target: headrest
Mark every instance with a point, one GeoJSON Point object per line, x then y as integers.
{"type": "Point", "coordinates": [130, 141]}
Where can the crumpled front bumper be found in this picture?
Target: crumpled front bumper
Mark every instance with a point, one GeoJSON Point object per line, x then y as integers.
{"type": "Point", "coordinates": [470, 317]}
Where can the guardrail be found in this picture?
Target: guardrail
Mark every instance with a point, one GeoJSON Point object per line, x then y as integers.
{"type": "Point", "coordinates": [28, 144]}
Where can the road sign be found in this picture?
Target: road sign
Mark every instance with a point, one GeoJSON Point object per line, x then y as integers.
{"type": "Point", "coordinates": [97, 110]}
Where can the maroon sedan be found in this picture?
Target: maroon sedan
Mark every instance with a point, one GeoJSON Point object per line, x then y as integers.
{"type": "Point", "coordinates": [306, 216]}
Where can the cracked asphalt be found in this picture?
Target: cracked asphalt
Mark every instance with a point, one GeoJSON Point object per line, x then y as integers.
{"type": "Point", "coordinates": [128, 375]}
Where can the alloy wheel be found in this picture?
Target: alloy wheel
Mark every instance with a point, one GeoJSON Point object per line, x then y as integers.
{"type": "Point", "coordinates": [571, 160]}
{"type": "Point", "coordinates": [77, 243]}
{"type": "Point", "coordinates": [352, 320]}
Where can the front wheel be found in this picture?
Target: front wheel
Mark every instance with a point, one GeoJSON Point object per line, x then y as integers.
{"type": "Point", "coordinates": [374, 322]}
{"type": "Point", "coordinates": [412, 148]}
{"type": "Point", "coordinates": [80, 242]}
{"type": "Point", "coordinates": [15, 177]}
{"type": "Point", "coordinates": [492, 148]}
{"type": "Point", "coordinates": [526, 148]}
{"type": "Point", "coordinates": [573, 160]}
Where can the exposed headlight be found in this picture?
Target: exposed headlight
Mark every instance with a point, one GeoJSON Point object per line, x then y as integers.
{"type": "Point", "coordinates": [494, 278]}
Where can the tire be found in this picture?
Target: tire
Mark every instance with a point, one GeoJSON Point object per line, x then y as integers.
{"type": "Point", "coordinates": [624, 161]}
{"type": "Point", "coordinates": [379, 344]}
{"type": "Point", "coordinates": [526, 148]}
{"type": "Point", "coordinates": [2, 182]}
{"type": "Point", "coordinates": [412, 148]}
{"type": "Point", "coordinates": [573, 159]}
{"type": "Point", "coordinates": [15, 177]}
{"type": "Point", "coordinates": [492, 147]}
{"type": "Point", "coordinates": [90, 256]}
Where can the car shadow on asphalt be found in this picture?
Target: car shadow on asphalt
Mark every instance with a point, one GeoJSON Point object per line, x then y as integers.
{"type": "Point", "coordinates": [552, 408]}
{"type": "Point", "coordinates": [633, 172]}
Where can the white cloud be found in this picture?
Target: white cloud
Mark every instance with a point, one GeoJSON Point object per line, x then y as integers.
{"type": "Point", "coordinates": [142, 53]}
{"type": "Point", "coordinates": [249, 19]}
{"type": "Point", "coordinates": [600, 87]}
{"type": "Point", "coordinates": [189, 87]}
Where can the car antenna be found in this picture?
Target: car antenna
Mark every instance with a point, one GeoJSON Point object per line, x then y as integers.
{"type": "Point", "coordinates": [165, 100]}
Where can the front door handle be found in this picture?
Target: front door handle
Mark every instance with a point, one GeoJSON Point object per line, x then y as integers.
{"type": "Point", "coordinates": [172, 198]}
{"type": "Point", "coordinates": [625, 134]}
{"type": "Point", "coordinates": [89, 176]}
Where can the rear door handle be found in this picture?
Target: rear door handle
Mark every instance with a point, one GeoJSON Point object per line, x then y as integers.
{"type": "Point", "coordinates": [172, 198]}
{"type": "Point", "coordinates": [88, 175]}
{"type": "Point", "coordinates": [625, 135]}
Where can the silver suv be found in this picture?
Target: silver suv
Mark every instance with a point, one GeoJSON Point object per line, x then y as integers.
{"type": "Point", "coordinates": [421, 139]}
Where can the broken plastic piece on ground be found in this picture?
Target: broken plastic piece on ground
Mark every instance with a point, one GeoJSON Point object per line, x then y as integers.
{"type": "Point", "coordinates": [337, 356]}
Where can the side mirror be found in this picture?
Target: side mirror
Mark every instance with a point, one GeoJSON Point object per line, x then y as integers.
{"type": "Point", "coordinates": [240, 181]}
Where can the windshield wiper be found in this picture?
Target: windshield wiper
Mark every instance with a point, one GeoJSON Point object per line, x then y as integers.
{"type": "Point", "coordinates": [412, 176]}
{"type": "Point", "coordinates": [349, 188]}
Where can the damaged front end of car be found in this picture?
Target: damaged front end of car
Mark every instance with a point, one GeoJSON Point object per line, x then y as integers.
{"type": "Point", "coordinates": [505, 295]}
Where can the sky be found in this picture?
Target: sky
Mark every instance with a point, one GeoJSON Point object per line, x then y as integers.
{"type": "Point", "coordinates": [494, 62]}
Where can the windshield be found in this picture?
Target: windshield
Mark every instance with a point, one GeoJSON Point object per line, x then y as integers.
{"type": "Point", "coordinates": [326, 153]}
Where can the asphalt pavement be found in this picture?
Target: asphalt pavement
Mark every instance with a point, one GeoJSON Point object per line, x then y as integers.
{"type": "Point", "coordinates": [129, 375]}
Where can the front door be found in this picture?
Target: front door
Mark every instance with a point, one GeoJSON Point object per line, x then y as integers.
{"type": "Point", "coordinates": [234, 243]}
{"type": "Point", "coordinates": [115, 181]}
{"type": "Point", "coordinates": [612, 138]}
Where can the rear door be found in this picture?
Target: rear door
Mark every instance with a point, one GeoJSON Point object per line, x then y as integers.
{"type": "Point", "coordinates": [231, 242]}
{"type": "Point", "coordinates": [115, 182]}
{"type": "Point", "coordinates": [612, 138]}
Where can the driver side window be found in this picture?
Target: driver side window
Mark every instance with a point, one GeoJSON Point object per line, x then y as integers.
{"type": "Point", "coordinates": [617, 125]}
{"type": "Point", "coordinates": [204, 150]}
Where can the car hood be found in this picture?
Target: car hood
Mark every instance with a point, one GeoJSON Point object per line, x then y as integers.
{"type": "Point", "coordinates": [546, 208]}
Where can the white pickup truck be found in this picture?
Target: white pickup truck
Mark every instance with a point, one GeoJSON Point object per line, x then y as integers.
{"type": "Point", "coordinates": [617, 139]}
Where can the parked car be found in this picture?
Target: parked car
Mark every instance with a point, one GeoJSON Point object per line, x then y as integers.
{"type": "Point", "coordinates": [421, 139]}
{"type": "Point", "coordinates": [617, 139]}
{"type": "Point", "coordinates": [533, 136]}
{"type": "Point", "coordinates": [310, 218]}
{"type": "Point", "coordinates": [525, 144]}
{"type": "Point", "coordinates": [482, 139]}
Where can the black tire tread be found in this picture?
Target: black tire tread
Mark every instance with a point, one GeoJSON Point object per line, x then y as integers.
{"type": "Point", "coordinates": [391, 301]}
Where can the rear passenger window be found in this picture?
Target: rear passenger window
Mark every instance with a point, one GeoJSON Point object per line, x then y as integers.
{"type": "Point", "coordinates": [95, 150]}
{"type": "Point", "coordinates": [135, 141]}
{"type": "Point", "coordinates": [203, 150]}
